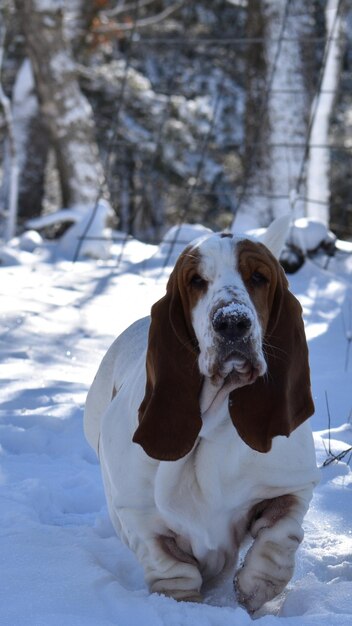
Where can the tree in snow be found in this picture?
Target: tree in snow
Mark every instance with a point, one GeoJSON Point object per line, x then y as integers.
{"type": "Point", "coordinates": [278, 100]}
{"type": "Point", "coordinates": [12, 179]}
{"type": "Point", "coordinates": [318, 183]}
{"type": "Point", "coordinates": [67, 113]}
{"type": "Point", "coordinates": [30, 143]}
{"type": "Point", "coordinates": [197, 110]}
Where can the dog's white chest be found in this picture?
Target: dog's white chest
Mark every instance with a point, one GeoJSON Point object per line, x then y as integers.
{"type": "Point", "coordinates": [204, 499]}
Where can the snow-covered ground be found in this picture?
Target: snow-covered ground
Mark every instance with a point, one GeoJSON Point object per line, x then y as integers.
{"type": "Point", "coordinates": [61, 563]}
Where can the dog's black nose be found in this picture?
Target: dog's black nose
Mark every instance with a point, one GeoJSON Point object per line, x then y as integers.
{"type": "Point", "coordinates": [232, 326]}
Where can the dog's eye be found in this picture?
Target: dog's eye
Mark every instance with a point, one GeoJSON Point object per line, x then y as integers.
{"type": "Point", "coordinates": [198, 282]}
{"type": "Point", "coordinates": [258, 279]}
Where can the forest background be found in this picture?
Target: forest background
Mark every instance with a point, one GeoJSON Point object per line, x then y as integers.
{"type": "Point", "coordinates": [210, 111]}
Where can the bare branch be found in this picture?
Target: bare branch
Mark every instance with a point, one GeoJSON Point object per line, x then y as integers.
{"type": "Point", "coordinates": [125, 7]}
{"type": "Point", "coordinates": [337, 457]}
{"type": "Point", "coordinates": [147, 21]}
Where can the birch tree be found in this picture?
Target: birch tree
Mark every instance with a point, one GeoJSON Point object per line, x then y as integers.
{"type": "Point", "coordinates": [30, 142]}
{"type": "Point", "coordinates": [67, 113]}
{"type": "Point", "coordinates": [11, 204]}
{"type": "Point", "coordinates": [318, 170]}
{"type": "Point", "coordinates": [277, 105]}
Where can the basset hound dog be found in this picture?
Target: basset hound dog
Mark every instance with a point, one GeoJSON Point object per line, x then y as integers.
{"type": "Point", "coordinates": [199, 416]}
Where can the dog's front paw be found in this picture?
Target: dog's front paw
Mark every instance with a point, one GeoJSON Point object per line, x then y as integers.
{"type": "Point", "coordinates": [252, 590]}
{"type": "Point", "coordinates": [268, 566]}
{"type": "Point", "coordinates": [180, 595]}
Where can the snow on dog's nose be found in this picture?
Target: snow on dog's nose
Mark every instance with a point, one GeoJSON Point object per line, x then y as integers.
{"type": "Point", "coordinates": [233, 322]}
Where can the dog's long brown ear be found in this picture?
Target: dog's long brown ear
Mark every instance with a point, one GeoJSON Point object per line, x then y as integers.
{"type": "Point", "coordinates": [280, 401]}
{"type": "Point", "coordinates": [169, 416]}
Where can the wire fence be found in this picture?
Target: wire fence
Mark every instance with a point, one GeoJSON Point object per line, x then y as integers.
{"type": "Point", "coordinates": [194, 189]}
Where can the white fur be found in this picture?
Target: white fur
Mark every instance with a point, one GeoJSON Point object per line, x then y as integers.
{"type": "Point", "coordinates": [224, 287]}
{"type": "Point", "coordinates": [185, 520]}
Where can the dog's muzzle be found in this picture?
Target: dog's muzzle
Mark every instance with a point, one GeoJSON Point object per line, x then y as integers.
{"type": "Point", "coordinates": [233, 322]}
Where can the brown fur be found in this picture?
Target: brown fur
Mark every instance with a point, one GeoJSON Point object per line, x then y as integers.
{"type": "Point", "coordinates": [275, 404]}
{"type": "Point", "coordinates": [268, 512]}
{"type": "Point", "coordinates": [169, 416]}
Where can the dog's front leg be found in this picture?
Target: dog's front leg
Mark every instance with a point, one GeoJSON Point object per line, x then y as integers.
{"type": "Point", "coordinates": [170, 571]}
{"type": "Point", "coordinates": [277, 530]}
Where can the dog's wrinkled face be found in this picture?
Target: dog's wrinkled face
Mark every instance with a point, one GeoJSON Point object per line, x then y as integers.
{"type": "Point", "coordinates": [230, 314]}
{"type": "Point", "coordinates": [226, 298]}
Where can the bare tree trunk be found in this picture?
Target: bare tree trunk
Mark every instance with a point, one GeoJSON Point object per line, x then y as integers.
{"type": "Point", "coordinates": [256, 123]}
{"type": "Point", "coordinates": [66, 111]}
{"type": "Point", "coordinates": [318, 170]}
{"type": "Point", "coordinates": [31, 143]}
{"type": "Point", "coordinates": [276, 129]}
{"type": "Point", "coordinates": [11, 198]}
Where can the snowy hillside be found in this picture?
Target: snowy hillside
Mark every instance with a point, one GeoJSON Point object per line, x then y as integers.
{"type": "Point", "coordinates": [61, 563]}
